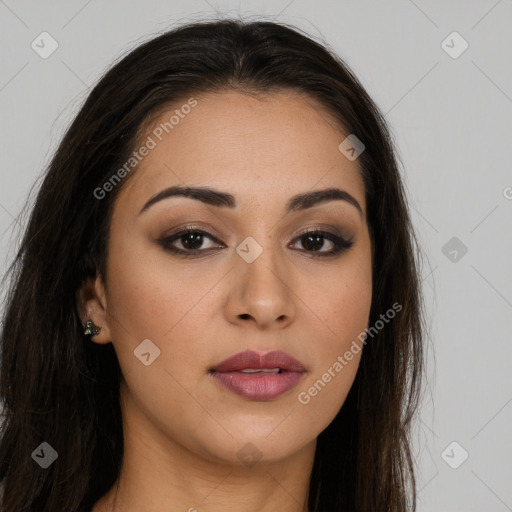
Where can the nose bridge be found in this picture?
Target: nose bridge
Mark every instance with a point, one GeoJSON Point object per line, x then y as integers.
{"type": "Point", "coordinates": [264, 292]}
{"type": "Point", "coordinates": [260, 258]}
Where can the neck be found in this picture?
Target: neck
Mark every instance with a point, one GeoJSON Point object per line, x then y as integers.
{"type": "Point", "coordinates": [161, 475]}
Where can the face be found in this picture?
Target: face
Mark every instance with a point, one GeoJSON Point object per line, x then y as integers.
{"type": "Point", "coordinates": [246, 277]}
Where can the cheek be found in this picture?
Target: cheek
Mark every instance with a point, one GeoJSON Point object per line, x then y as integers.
{"type": "Point", "coordinates": [152, 297]}
{"type": "Point", "coordinates": [346, 305]}
{"type": "Point", "coordinates": [344, 308]}
{"type": "Point", "coordinates": [342, 297]}
{"type": "Point", "coordinates": [148, 293]}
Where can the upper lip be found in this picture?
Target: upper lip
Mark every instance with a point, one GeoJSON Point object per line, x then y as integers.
{"type": "Point", "coordinates": [258, 361]}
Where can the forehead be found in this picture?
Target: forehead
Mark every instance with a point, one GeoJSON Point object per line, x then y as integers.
{"type": "Point", "coordinates": [268, 146]}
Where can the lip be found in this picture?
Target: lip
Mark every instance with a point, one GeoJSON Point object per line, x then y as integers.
{"type": "Point", "coordinates": [259, 385]}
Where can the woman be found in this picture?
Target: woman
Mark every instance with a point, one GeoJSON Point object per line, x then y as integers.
{"type": "Point", "coordinates": [216, 303]}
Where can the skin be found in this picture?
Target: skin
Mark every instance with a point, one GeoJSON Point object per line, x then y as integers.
{"type": "Point", "coordinates": [182, 430]}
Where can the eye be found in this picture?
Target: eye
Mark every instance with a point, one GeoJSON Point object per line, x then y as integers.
{"type": "Point", "coordinates": [314, 240]}
{"type": "Point", "coordinates": [190, 239]}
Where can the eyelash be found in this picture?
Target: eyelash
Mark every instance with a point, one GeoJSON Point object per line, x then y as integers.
{"type": "Point", "coordinates": [340, 244]}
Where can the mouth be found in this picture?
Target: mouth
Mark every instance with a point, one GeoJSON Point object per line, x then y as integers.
{"type": "Point", "coordinates": [257, 376]}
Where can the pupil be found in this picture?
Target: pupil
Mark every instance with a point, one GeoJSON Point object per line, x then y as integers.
{"type": "Point", "coordinates": [316, 244]}
{"type": "Point", "coordinates": [190, 240]}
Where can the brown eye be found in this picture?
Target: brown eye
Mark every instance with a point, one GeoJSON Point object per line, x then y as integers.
{"type": "Point", "coordinates": [314, 240]}
{"type": "Point", "coordinates": [191, 241]}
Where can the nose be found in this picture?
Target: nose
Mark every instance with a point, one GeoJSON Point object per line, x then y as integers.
{"type": "Point", "coordinates": [262, 293]}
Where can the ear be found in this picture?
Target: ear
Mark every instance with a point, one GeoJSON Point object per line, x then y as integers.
{"type": "Point", "coordinates": [92, 305]}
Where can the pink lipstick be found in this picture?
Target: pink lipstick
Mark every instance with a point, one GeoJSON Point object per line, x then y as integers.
{"type": "Point", "coordinates": [255, 376]}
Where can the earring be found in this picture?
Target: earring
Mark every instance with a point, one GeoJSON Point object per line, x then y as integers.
{"type": "Point", "coordinates": [91, 329]}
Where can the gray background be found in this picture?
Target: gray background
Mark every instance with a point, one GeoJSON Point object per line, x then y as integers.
{"type": "Point", "coordinates": [451, 118]}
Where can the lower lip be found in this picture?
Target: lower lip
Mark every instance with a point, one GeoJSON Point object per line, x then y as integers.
{"type": "Point", "coordinates": [259, 387]}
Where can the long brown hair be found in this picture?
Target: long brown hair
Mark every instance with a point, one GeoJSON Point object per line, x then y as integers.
{"type": "Point", "coordinates": [58, 387]}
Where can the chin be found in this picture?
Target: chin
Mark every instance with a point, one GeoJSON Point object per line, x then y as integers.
{"type": "Point", "coordinates": [252, 443]}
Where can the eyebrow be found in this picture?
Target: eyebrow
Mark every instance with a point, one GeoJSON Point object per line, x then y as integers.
{"type": "Point", "coordinates": [217, 198]}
